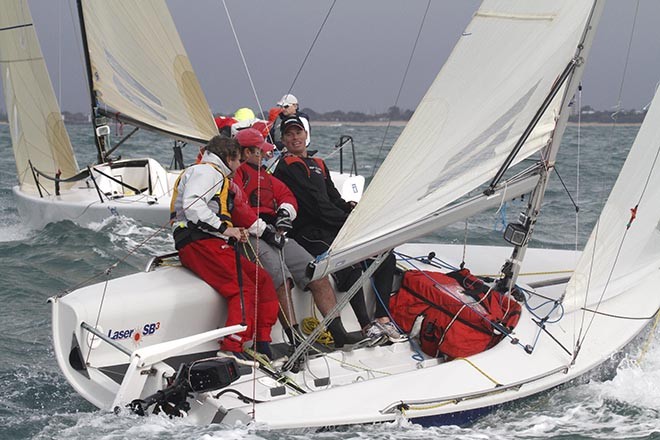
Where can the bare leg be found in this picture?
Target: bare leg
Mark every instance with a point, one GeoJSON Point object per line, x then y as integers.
{"type": "Point", "coordinates": [323, 294]}
{"type": "Point", "coordinates": [325, 300]}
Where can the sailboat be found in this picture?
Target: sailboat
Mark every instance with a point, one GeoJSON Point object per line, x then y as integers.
{"type": "Point", "coordinates": [139, 74]}
{"type": "Point", "coordinates": [147, 342]}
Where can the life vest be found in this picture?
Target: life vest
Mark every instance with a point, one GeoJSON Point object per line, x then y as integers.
{"type": "Point", "coordinates": [262, 198]}
{"type": "Point", "coordinates": [457, 311]}
{"type": "Point", "coordinates": [224, 124]}
{"type": "Point", "coordinates": [291, 159]}
{"type": "Point", "coordinates": [222, 203]}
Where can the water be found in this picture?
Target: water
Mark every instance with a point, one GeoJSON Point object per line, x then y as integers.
{"type": "Point", "coordinates": [620, 400]}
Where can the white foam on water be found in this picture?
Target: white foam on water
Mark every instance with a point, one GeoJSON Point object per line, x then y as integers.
{"type": "Point", "coordinates": [13, 229]}
{"type": "Point", "coordinates": [14, 232]}
{"type": "Point", "coordinates": [129, 234]}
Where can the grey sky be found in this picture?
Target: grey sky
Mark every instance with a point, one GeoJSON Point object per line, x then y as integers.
{"type": "Point", "coordinates": [360, 57]}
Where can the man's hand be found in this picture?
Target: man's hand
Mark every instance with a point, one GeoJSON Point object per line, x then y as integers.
{"type": "Point", "coordinates": [271, 237]}
{"type": "Point", "coordinates": [283, 222]}
{"type": "Point", "coordinates": [238, 234]}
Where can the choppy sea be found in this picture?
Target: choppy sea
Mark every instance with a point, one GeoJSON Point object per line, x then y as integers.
{"type": "Point", "coordinates": [618, 401]}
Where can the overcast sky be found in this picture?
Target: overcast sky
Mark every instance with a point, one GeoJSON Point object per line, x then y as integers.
{"type": "Point", "coordinates": [360, 57]}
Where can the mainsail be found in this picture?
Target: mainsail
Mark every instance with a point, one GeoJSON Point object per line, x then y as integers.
{"type": "Point", "coordinates": [623, 242]}
{"type": "Point", "coordinates": [494, 82]}
{"type": "Point", "coordinates": [140, 69]}
{"type": "Point", "coordinates": [36, 125]}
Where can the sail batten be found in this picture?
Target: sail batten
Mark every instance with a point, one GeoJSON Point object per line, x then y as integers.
{"type": "Point", "coordinates": [487, 14]}
{"type": "Point", "coordinates": [139, 68]}
{"type": "Point", "coordinates": [508, 59]}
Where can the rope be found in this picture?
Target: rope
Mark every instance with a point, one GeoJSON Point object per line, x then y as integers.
{"type": "Point", "coordinates": [577, 167]}
{"type": "Point", "coordinates": [309, 324]}
{"type": "Point", "coordinates": [483, 373]}
{"type": "Point", "coordinates": [648, 341]}
{"type": "Point", "coordinates": [240, 50]}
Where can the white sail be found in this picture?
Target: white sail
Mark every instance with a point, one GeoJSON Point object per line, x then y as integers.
{"type": "Point", "coordinates": [488, 91]}
{"type": "Point", "coordinates": [613, 249]}
{"type": "Point", "coordinates": [140, 68]}
{"type": "Point", "coordinates": [37, 129]}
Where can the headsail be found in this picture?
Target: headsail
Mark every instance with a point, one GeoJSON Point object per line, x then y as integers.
{"type": "Point", "coordinates": [140, 69]}
{"type": "Point", "coordinates": [621, 243]}
{"type": "Point", "coordinates": [495, 80]}
{"type": "Point", "coordinates": [36, 125]}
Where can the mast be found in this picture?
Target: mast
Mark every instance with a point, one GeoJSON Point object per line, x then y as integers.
{"type": "Point", "coordinates": [100, 143]}
{"type": "Point", "coordinates": [526, 224]}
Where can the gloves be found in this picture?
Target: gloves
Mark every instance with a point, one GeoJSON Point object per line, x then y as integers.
{"type": "Point", "coordinates": [271, 237]}
{"type": "Point", "coordinates": [283, 221]}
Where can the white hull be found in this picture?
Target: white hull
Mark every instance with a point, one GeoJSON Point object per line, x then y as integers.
{"type": "Point", "coordinates": [365, 385]}
{"type": "Point", "coordinates": [84, 205]}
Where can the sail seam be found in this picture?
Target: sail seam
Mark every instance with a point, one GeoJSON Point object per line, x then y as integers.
{"type": "Point", "coordinates": [22, 60]}
{"type": "Point", "coordinates": [18, 26]}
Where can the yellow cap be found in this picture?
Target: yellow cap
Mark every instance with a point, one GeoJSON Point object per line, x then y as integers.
{"type": "Point", "coordinates": [244, 114]}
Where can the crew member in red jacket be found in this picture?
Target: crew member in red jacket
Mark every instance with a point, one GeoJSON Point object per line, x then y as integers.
{"type": "Point", "coordinates": [275, 205]}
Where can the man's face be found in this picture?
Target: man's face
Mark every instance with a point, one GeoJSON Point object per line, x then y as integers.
{"type": "Point", "coordinates": [294, 140]}
{"type": "Point", "coordinates": [252, 155]}
{"type": "Point", "coordinates": [289, 109]}
{"type": "Point", "coordinates": [233, 163]}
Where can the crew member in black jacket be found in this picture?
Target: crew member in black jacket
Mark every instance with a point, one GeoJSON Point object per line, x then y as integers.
{"type": "Point", "coordinates": [321, 214]}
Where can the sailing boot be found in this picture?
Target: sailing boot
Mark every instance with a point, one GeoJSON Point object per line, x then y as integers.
{"type": "Point", "coordinates": [263, 347]}
{"type": "Point", "coordinates": [293, 335]}
{"type": "Point", "coordinates": [294, 339]}
{"type": "Point", "coordinates": [341, 336]}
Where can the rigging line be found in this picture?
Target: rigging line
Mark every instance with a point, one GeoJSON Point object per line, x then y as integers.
{"type": "Point", "coordinates": [135, 249]}
{"type": "Point", "coordinates": [611, 315]}
{"type": "Point", "coordinates": [309, 51]}
{"type": "Point", "coordinates": [59, 53]}
{"type": "Point", "coordinates": [611, 137]}
{"type": "Point", "coordinates": [568, 193]}
{"type": "Point", "coordinates": [577, 167]}
{"type": "Point", "coordinates": [465, 239]}
{"type": "Point", "coordinates": [240, 50]}
{"type": "Point", "coordinates": [623, 239]}
{"type": "Point", "coordinates": [625, 66]}
{"type": "Point", "coordinates": [403, 81]}
{"type": "Point", "coordinates": [98, 315]}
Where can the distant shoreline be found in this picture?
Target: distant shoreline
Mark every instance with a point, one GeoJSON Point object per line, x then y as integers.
{"type": "Point", "coordinates": [403, 124]}
{"type": "Point", "coordinates": [359, 124]}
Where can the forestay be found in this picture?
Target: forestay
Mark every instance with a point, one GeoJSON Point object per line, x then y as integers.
{"type": "Point", "coordinates": [138, 76]}
{"type": "Point", "coordinates": [614, 250]}
{"type": "Point", "coordinates": [36, 125]}
{"type": "Point", "coordinates": [495, 80]}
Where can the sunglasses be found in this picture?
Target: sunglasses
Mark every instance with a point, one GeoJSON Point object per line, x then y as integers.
{"type": "Point", "coordinates": [286, 106]}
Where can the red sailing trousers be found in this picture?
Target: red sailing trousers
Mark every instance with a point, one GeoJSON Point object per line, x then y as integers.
{"type": "Point", "coordinates": [214, 261]}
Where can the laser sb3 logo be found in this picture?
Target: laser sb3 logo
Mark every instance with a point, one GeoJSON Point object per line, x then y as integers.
{"type": "Point", "coordinates": [134, 333]}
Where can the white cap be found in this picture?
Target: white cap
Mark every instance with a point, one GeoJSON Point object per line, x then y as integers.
{"type": "Point", "coordinates": [287, 99]}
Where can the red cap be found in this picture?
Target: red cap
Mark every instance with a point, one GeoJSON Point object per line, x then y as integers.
{"type": "Point", "coordinates": [250, 137]}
